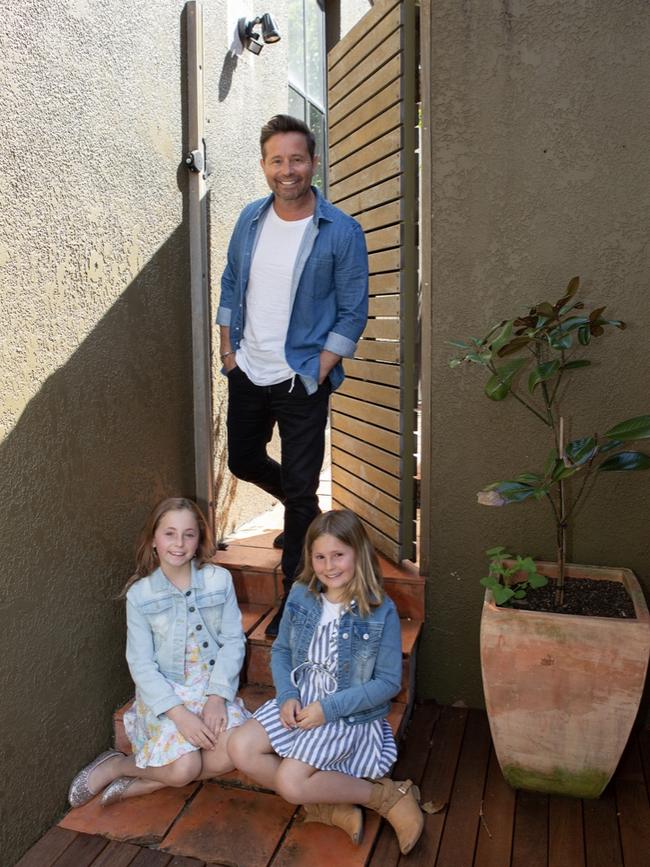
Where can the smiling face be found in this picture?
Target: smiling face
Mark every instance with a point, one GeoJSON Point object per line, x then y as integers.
{"type": "Point", "coordinates": [334, 564]}
{"type": "Point", "coordinates": [176, 539]}
{"type": "Point", "coordinates": [289, 169]}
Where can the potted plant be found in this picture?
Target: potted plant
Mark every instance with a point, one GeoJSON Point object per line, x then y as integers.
{"type": "Point", "coordinates": [562, 685]}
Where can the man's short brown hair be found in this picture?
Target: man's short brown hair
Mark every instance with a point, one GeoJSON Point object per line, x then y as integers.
{"type": "Point", "coordinates": [285, 123]}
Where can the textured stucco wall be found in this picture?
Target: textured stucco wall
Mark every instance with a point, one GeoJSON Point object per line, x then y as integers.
{"type": "Point", "coordinates": [540, 123]}
{"type": "Point", "coordinates": [241, 94]}
{"type": "Point", "coordinates": [95, 371]}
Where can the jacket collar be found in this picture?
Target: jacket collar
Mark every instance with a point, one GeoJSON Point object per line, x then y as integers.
{"type": "Point", "coordinates": [322, 211]}
{"type": "Point", "coordinates": [160, 583]}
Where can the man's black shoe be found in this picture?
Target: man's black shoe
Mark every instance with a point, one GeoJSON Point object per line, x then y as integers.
{"type": "Point", "coordinates": [273, 627]}
{"type": "Point", "coordinates": [278, 542]}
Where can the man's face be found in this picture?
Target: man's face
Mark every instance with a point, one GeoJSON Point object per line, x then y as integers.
{"type": "Point", "coordinates": [287, 166]}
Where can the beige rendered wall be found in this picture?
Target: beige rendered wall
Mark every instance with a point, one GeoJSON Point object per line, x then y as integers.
{"type": "Point", "coordinates": [539, 159]}
{"type": "Point", "coordinates": [95, 374]}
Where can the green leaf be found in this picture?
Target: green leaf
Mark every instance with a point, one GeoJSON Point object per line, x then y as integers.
{"type": "Point", "coordinates": [563, 472]}
{"type": "Point", "coordinates": [562, 341]}
{"type": "Point", "coordinates": [514, 492]}
{"type": "Point", "coordinates": [459, 344]}
{"type": "Point", "coordinates": [550, 462]}
{"type": "Point", "coordinates": [538, 580]}
{"type": "Point", "coordinates": [498, 385]}
{"type": "Point", "coordinates": [529, 478]}
{"type": "Point", "coordinates": [608, 447]}
{"type": "Point", "coordinates": [574, 365]}
{"type": "Point", "coordinates": [626, 461]}
{"type": "Point", "coordinates": [520, 594]}
{"type": "Point", "coordinates": [584, 335]}
{"type": "Point", "coordinates": [502, 337]}
{"type": "Point", "coordinates": [514, 346]}
{"type": "Point", "coordinates": [542, 373]}
{"type": "Point", "coordinates": [581, 450]}
{"type": "Point", "coordinates": [455, 362]}
{"type": "Point", "coordinates": [499, 551]}
{"type": "Point", "coordinates": [633, 429]}
{"type": "Point", "coordinates": [502, 595]}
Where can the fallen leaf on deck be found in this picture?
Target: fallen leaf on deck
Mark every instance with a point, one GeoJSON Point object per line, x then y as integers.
{"type": "Point", "coordinates": [433, 807]}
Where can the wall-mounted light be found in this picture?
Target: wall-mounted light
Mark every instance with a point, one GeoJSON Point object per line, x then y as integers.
{"type": "Point", "coordinates": [252, 40]}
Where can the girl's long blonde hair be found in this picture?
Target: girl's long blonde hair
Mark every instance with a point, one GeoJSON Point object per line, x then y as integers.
{"type": "Point", "coordinates": [146, 557]}
{"type": "Point", "coordinates": [367, 585]}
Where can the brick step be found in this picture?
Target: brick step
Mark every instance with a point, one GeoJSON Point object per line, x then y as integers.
{"type": "Point", "coordinates": [257, 668]}
{"type": "Point", "coordinates": [255, 567]}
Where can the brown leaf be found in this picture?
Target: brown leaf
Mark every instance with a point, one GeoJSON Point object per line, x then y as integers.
{"type": "Point", "coordinates": [432, 807]}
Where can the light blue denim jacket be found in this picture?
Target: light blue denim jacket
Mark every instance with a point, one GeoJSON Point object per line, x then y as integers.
{"type": "Point", "coordinates": [369, 667]}
{"type": "Point", "coordinates": [329, 287]}
{"type": "Point", "coordinates": [157, 618]}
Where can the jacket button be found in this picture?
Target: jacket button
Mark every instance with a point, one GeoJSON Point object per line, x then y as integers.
{"type": "Point", "coordinates": [188, 592]}
{"type": "Point", "coordinates": [365, 634]}
{"type": "Point", "coordinates": [193, 609]}
{"type": "Point", "coordinates": [205, 643]}
{"type": "Point", "coordinates": [345, 635]}
{"type": "Point", "coordinates": [212, 662]}
{"type": "Point", "coordinates": [198, 627]}
{"type": "Point", "coordinates": [351, 718]}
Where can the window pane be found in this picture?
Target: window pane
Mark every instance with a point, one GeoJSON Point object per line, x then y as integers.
{"type": "Point", "coordinates": [315, 51]}
{"type": "Point", "coordinates": [296, 104]}
{"type": "Point", "coordinates": [296, 43]}
{"type": "Point", "coordinates": [317, 125]}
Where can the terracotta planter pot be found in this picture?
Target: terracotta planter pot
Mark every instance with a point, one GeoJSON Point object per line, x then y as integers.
{"type": "Point", "coordinates": [562, 691]}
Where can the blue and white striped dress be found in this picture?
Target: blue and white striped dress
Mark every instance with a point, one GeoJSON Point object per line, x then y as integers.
{"type": "Point", "coordinates": [362, 750]}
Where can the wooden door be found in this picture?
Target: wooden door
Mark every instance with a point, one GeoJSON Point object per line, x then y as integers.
{"type": "Point", "coordinates": [373, 176]}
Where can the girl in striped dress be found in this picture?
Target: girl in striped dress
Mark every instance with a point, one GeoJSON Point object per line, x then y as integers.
{"type": "Point", "coordinates": [324, 740]}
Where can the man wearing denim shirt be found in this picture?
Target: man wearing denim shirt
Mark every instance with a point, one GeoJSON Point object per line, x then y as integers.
{"type": "Point", "coordinates": [294, 301]}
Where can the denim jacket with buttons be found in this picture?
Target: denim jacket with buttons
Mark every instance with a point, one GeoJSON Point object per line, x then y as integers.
{"type": "Point", "coordinates": [369, 666]}
{"type": "Point", "coordinates": [158, 616]}
{"type": "Point", "coordinates": [329, 287]}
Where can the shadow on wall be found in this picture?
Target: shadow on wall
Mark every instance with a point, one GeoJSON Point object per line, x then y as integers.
{"type": "Point", "coordinates": [109, 433]}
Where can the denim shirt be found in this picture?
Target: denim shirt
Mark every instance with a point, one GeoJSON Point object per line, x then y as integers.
{"type": "Point", "coordinates": [369, 667]}
{"type": "Point", "coordinates": [329, 287]}
{"type": "Point", "coordinates": [157, 617]}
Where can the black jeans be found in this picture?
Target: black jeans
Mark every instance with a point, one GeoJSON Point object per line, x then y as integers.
{"type": "Point", "coordinates": [253, 410]}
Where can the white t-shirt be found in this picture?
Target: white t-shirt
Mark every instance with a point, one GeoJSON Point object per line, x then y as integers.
{"type": "Point", "coordinates": [331, 610]}
{"type": "Point", "coordinates": [261, 352]}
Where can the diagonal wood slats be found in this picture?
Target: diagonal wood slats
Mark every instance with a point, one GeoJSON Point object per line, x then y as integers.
{"type": "Point", "coordinates": [373, 177]}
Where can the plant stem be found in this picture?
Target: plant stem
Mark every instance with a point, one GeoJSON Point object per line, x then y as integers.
{"type": "Point", "coordinates": [561, 525]}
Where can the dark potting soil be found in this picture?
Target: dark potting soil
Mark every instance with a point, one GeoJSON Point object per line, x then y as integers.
{"type": "Point", "coordinates": [581, 596]}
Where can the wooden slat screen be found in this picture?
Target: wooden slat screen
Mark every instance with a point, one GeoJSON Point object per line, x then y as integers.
{"type": "Point", "coordinates": [373, 177]}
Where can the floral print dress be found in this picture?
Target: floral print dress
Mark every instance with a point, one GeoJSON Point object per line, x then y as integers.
{"type": "Point", "coordinates": [155, 739]}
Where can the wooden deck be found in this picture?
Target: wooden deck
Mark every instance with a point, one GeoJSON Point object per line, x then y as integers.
{"type": "Point", "coordinates": [480, 822]}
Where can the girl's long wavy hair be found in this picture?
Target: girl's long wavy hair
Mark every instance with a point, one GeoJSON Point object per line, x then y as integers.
{"type": "Point", "coordinates": [367, 585]}
{"type": "Point", "coordinates": [146, 557]}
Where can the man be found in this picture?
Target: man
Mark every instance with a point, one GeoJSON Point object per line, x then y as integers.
{"type": "Point", "coordinates": [294, 301]}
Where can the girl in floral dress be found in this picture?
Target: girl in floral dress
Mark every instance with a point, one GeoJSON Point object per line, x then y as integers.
{"type": "Point", "coordinates": [185, 649]}
{"type": "Point", "coordinates": [324, 741]}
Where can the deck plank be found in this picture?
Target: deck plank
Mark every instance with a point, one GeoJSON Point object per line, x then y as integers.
{"type": "Point", "coordinates": [46, 850]}
{"type": "Point", "coordinates": [494, 844]}
{"type": "Point", "coordinates": [117, 854]}
{"type": "Point", "coordinates": [566, 847]}
{"type": "Point", "coordinates": [633, 808]}
{"type": "Point", "coordinates": [151, 858]}
{"type": "Point", "coordinates": [438, 781]}
{"type": "Point", "coordinates": [530, 839]}
{"type": "Point", "coordinates": [463, 814]}
{"type": "Point", "coordinates": [410, 766]}
{"type": "Point", "coordinates": [82, 851]}
{"type": "Point", "coordinates": [602, 839]}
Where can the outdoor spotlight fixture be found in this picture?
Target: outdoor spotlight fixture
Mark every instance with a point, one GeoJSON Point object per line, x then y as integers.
{"type": "Point", "coordinates": [252, 40]}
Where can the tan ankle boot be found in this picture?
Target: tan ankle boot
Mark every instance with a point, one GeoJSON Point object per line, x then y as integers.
{"type": "Point", "coordinates": [398, 804]}
{"type": "Point", "coordinates": [347, 817]}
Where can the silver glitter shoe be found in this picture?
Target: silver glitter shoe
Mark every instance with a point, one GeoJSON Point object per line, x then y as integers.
{"type": "Point", "coordinates": [115, 790]}
{"type": "Point", "coordinates": [80, 793]}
